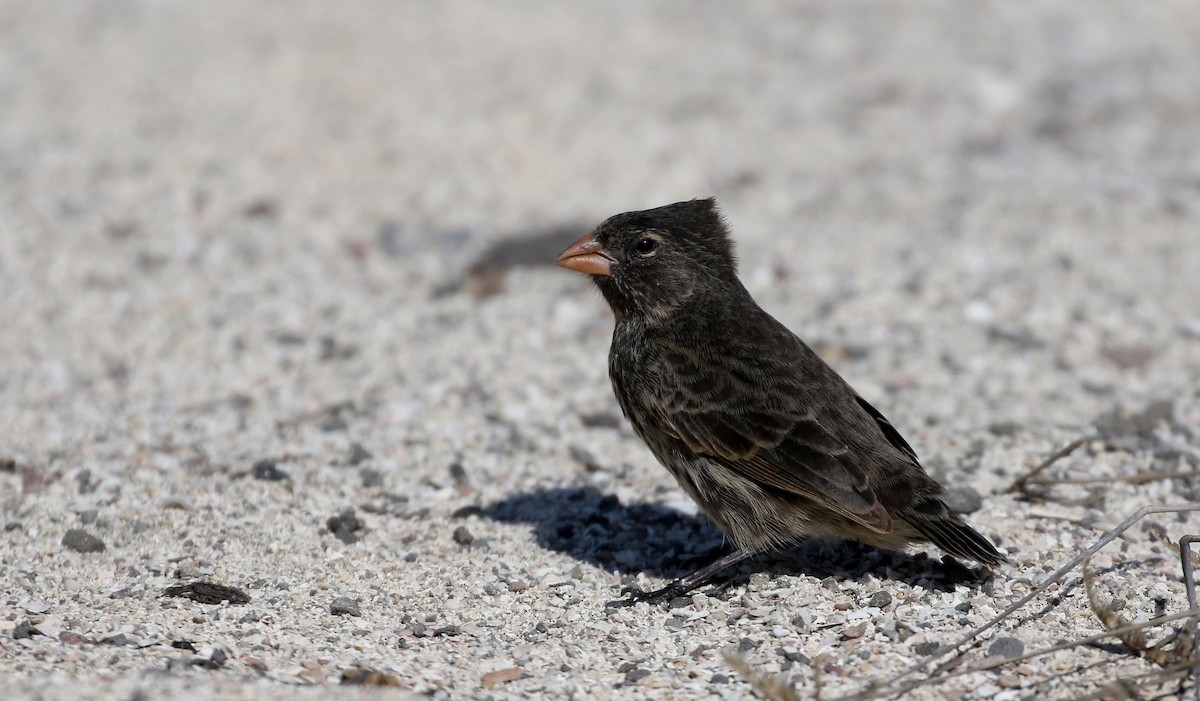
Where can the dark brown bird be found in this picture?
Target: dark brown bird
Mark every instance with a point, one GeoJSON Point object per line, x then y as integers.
{"type": "Point", "coordinates": [771, 443]}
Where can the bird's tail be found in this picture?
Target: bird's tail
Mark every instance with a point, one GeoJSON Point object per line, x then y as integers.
{"type": "Point", "coordinates": [951, 534]}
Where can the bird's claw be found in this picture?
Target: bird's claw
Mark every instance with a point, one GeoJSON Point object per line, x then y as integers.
{"type": "Point", "coordinates": [637, 596]}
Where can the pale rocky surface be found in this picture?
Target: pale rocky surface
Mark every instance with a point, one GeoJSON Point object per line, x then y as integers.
{"type": "Point", "coordinates": [319, 235]}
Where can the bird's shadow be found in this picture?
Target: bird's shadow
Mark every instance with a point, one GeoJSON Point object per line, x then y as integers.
{"type": "Point", "coordinates": [663, 542]}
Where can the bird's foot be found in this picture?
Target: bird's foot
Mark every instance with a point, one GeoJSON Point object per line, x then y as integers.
{"type": "Point", "coordinates": [684, 585]}
{"type": "Point", "coordinates": [668, 593]}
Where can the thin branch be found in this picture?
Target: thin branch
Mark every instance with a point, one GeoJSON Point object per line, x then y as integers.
{"type": "Point", "coordinates": [973, 635]}
{"type": "Point", "coordinates": [1114, 633]}
{"type": "Point", "coordinates": [1138, 478]}
{"type": "Point", "coordinates": [1020, 484]}
{"type": "Point", "coordinates": [1132, 683]}
{"type": "Point", "coordinates": [772, 687]}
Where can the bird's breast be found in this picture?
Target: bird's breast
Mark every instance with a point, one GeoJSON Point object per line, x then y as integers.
{"type": "Point", "coordinates": [633, 369]}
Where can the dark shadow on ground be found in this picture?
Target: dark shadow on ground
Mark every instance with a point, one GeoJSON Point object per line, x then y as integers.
{"type": "Point", "coordinates": [599, 530]}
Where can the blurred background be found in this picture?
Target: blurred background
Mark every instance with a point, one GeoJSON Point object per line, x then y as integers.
{"type": "Point", "coordinates": [298, 204]}
{"type": "Point", "coordinates": [184, 184]}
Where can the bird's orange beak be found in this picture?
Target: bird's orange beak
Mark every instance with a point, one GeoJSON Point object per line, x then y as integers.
{"type": "Point", "coordinates": [587, 256]}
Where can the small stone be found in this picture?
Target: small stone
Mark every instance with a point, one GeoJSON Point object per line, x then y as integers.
{"type": "Point", "coordinates": [927, 648]}
{"type": "Point", "coordinates": [791, 654]}
{"type": "Point", "coordinates": [13, 526]}
{"type": "Point", "coordinates": [612, 421]}
{"type": "Point", "coordinates": [70, 637]}
{"type": "Point", "coordinates": [799, 623]}
{"type": "Point", "coordinates": [719, 678]}
{"type": "Point", "coordinates": [1117, 422]}
{"type": "Point", "coordinates": [1006, 646]}
{"type": "Point", "coordinates": [216, 660]}
{"type": "Point", "coordinates": [118, 640]}
{"type": "Point", "coordinates": [676, 623]}
{"type": "Point", "coordinates": [462, 536]}
{"type": "Point", "coordinates": [83, 478]}
{"type": "Point", "coordinates": [370, 477]}
{"type": "Point", "coordinates": [880, 599]}
{"type": "Point", "coordinates": [517, 586]}
{"type": "Point", "coordinates": [52, 626]}
{"type": "Point", "coordinates": [81, 541]}
{"type": "Point", "coordinates": [831, 584]}
{"type": "Point", "coordinates": [333, 422]}
{"type": "Point", "coordinates": [963, 500]}
{"type": "Point", "coordinates": [37, 607]}
{"type": "Point", "coordinates": [392, 240]}
{"type": "Point", "coordinates": [345, 525]}
{"type": "Point", "coordinates": [208, 593]}
{"type": "Point", "coordinates": [458, 473]}
{"type": "Point", "coordinates": [446, 631]}
{"type": "Point", "coordinates": [267, 471]}
{"type": "Point", "coordinates": [88, 516]}
{"type": "Point", "coordinates": [633, 675]}
{"type": "Point", "coordinates": [1129, 357]}
{"type": "Point", "coordinates": [746, 645]}
{"type": "Point", "coordinates": [855, 631]}
{"type": "Point", "coordinates": [344, 606]}
{"type": "Point", "coordinates": [357, 454]}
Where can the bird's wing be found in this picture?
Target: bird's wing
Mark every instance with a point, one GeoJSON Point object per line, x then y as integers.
{"type": "Point", "coordinates": [765, 433]}
{"type": "Point", "coordinates": [889, 431]}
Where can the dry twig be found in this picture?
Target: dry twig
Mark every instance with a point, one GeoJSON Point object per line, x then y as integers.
{"type": "Point", "coordinates": [1021, 484]}
{"type": "Point", "coordinates": [894, 686]}
{"type": "Point", "coordinates": [772, 687]}
{"type": "Point", "coordinates": [1137, 478]}
{"type": "Point", "coordinates": [1135, 640]}
{"type": "Point", "coordinates": [1159, 535]}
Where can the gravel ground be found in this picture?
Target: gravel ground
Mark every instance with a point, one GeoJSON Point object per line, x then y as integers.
{"type": "Point", "coordinates": [279, 316]}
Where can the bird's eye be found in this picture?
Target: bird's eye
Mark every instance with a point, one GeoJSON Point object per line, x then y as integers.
{"type": "Point", "coordinates": [646, 246]}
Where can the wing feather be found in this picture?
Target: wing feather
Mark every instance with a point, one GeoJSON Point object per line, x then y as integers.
{"type": "Point", "coordinates": [783, 446]}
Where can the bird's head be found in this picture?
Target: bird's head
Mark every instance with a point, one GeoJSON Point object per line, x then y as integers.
{"type": "Point", "coordinates": [652, 261]}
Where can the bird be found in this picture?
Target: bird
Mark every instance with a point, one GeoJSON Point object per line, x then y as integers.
{"type": "Point", "coordinates": [771, 443]}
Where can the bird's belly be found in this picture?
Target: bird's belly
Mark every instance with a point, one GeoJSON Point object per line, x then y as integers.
{"type": "Point", "coordinates": [754, 516]}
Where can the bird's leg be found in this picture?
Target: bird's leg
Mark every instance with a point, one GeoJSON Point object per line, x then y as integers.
{"type": "Point", "coordinates": [685, 584]}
